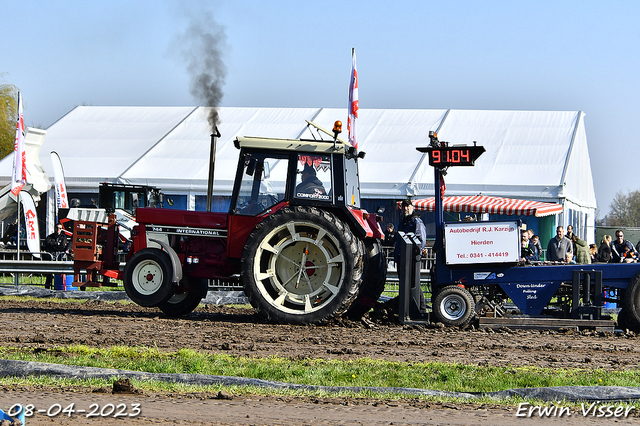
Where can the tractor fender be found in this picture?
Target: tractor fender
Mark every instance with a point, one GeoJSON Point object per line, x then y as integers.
{"type": "Point", "coordinates": [176, 266]}
{"type": "Point", "coordinates": [366, 223]}
{"type": "Point", "coordinates": [356, 217]}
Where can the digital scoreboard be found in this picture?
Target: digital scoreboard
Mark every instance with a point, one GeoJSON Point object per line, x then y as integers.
{"type": "Point", "coordinates": [447, 156]}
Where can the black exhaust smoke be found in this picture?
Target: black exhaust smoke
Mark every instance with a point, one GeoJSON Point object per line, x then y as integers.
{"type": "Point", "coordinates": [201, 46]}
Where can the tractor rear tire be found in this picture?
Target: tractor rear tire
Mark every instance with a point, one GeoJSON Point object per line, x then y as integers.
{"type": "Point", "coordinates": [631, 303]}
{"type": "Point", "coordinates": [302, 265]}
{"type": "Point", "coordinates": [186, 298]}
{"type": "Point", "coordinates": [147, 277]}
{"type": "Point", "coordinates": [454, 306]}
{"type": "Point", "coordinates": [375, 279]}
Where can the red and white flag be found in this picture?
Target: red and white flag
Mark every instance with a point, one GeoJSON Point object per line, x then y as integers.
{"type": "Point", "coordinates": [19, 178]}
{"type": "Point", "coordinates": [353, 101]}
{"type": "Point", "coordinates": [62, 199]}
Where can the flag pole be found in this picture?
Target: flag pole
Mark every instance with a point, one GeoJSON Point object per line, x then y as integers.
{"type": "Point", "coordinates": [16, 162]}
{"type": "Point", "coordinates": [353, 101]}
{"type": "Point", "coordinates": [17, 276]}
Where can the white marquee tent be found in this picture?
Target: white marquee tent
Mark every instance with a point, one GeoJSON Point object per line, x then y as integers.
{"type": "Point", "coordinates": [535, 155]}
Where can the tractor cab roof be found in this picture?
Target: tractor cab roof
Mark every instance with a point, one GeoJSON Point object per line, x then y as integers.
{"type": "Point", "coordinates": [301, 145]}
{"type": "Point", "coordinates": [335, 145]}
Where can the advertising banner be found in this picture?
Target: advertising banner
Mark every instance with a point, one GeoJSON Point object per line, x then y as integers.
{"type": "Point", "coordinates": [482, 242]}
{"type": "Point", "coordinates": [62, 200]}
{"type": "Point", "coordinates": [31, 223]}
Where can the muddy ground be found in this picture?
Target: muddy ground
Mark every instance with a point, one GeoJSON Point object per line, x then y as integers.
{"type": "Point", "coordinates": [240, 331]}
{"type": "Point", "coordinates": [236, 331]}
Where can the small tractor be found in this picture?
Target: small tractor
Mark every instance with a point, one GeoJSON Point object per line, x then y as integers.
{"type": "Point", "coordinates": [101, 232]}
{"type": "Point", "coordinates": [294, 236]}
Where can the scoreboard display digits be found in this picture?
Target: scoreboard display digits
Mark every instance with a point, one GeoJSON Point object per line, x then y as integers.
{"type": "Point", "coordinates": [447, 156]}
{"type": "Point", "coordinates": [454, 156]}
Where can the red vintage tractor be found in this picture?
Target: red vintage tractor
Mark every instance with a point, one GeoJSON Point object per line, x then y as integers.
{"type": "Point", "coordinates": [295, 237]}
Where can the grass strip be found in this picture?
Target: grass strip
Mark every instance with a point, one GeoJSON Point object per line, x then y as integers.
{"type": "Point", "coordinates": [361, 372]}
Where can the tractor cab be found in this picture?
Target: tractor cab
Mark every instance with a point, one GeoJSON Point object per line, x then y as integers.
{"type": "Point", "coordinates": [295, 172]}
{"type": "Point", "coordinates": [129, 197]}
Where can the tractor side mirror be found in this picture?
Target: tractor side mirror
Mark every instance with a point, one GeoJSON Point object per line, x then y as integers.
{"type": "Point", "coordinates": [267, 170]}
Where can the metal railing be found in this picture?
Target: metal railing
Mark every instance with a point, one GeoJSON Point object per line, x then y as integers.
{"type": "Point", "coordinates": [36, 267]}
{"type": "Point", "coordinates": [393, 282]}
{"type": "Point", "coordinates": [428, 258]}
{"type": "Point", "coordinates": [33, 270]}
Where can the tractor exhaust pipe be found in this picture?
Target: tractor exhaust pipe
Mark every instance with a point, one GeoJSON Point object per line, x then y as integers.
{"type": "Point", "coordinates": [212, 161]}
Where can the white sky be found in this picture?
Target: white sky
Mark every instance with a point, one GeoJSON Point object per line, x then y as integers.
{"type": "Point", "coordinates": [503, 55]}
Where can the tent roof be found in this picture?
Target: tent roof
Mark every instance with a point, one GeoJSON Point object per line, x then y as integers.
{"type": "Point", "coordinates": [493, 205]}
{"type": "Point", "coordinates": [539, 155]}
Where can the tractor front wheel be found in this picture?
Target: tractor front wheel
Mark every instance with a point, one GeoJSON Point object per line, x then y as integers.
{"type": "Point", "coordinates": [147, 277]}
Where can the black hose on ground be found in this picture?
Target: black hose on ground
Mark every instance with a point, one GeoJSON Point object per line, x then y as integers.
{"type": "Point", "coordinates": [12, 368]}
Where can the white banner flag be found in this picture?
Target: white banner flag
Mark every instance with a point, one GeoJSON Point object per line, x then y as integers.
{"type": "Point", "coordinates": [19, 178]}
{"type": "Point", "coordinates": [31, 223]}
{"type": "Point", "coordinates": [62, 200]}
{"type": "Point", "coordinates": [353, 101]}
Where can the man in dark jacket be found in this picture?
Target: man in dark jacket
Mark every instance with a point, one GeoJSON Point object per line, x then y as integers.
{"type": "Point", "coordinates": [59, 245]}
{"type": "Point", "coordinates": [390, 236]}
{"type": "Point", "coordinates": [311, 186]}
{"type": "Point", "coordinates": [411, 223]}
{"type": "Point", "coordinates": [620, 246]}
{"type": "Point", "coordinates": [528, 251]}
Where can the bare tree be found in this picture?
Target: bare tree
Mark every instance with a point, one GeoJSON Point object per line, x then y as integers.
{"type": "Point", "coordinates": [625, 210]}
{"type": "Point", "coordinates": [8, 117]}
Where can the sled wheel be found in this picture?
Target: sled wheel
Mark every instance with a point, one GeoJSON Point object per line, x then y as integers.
{"type": "Point", "coordinates": [454, 306]}
{"type": "Point", "coordinates": [631, 303]}
{"type": "Point", "coordinates": [186, 297]}
{"type": "Point", "coordinates": [623, 322]}
{"type": "Point", "coordinates": [147, 277]}
{"type": "Point", "coordinates": [302, 265]}
{"type": "Point", "coordinates": [373, 283]}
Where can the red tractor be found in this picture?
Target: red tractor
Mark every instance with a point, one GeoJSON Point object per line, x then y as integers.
{"type": "Point", "coordinates": [295, 237]}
